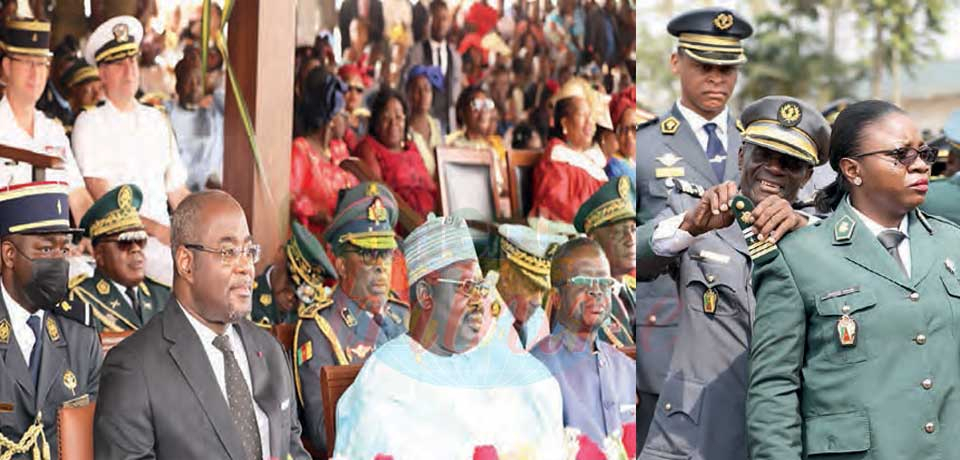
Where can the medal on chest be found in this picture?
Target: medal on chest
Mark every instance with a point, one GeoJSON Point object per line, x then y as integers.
{"type": "Point", "coordinates": [710, 301]}
{"type": "Point", "coordinates": [847, 331]}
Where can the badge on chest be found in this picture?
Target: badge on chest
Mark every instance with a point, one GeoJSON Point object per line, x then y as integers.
{"type": "Point", "coordinates": [847, 331]}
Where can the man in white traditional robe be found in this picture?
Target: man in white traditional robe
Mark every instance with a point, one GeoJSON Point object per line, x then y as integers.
{"type": "Point", "coordinates": [448, 387]}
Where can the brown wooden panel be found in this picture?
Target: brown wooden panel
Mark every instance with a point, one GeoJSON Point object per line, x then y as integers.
{"type": "Point", "coordinates": [75, 432]}
{"type": "Point", "coordinates": [109, 339]}
{"type": "Point", "coordinates": [261, 46]}
{"type": "Point", "coordinates": [334, 380]}
{"type": "Point", "coordinates": [520, 164]}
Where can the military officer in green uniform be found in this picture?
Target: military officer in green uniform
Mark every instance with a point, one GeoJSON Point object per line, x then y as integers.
{"type": "Point", "coordinates": [284, 288]}
{"type": "Point", "coordinates": [855, 337]}
{"type": "Point", "coordinates": [46, 361]}
{"type": "Point", "coordinates": [696, 140]}
{"type": "Point", "coordinates": [119, 296]}
{"type": "Point", "coordinates": [609, 217]}
{"type": "Point", "coordinates": [362, 313]}
{"type": "Point", "coordinates": [943, 198]}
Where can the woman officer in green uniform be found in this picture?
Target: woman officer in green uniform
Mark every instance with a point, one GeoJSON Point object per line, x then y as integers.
{"type": "Point", "coordinates": [856, 341]}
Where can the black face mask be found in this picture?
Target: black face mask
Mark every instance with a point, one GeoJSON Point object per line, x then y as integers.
{"type": "Point", "coordinates": [48, 281]}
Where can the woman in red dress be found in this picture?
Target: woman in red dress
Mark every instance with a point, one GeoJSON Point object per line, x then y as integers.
{"type": "Point", "coordinates": [393, 158]}
{"type": "Point", "coordinates": [571, 169]}
{"type": "Point", "coordinates": [315, 174]}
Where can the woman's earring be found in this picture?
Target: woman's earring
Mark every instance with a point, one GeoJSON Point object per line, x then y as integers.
{"type": "Point", "coordinates": [857, 181]}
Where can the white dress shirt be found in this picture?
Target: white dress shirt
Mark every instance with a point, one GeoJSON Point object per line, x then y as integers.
{"type": "Point", "coordinates": [696, 124]}
{"type": "Point", "coordinates": [875, 228]}
{"type": "Point", "coordinates": [48, 139]}
{"type": "Point", "coordinates": [439, 50]}
{"type": "Point", "coordinates": [135, 147]}
{"type": "Point", "coordinates": [18, 321]}
{"type": "Point", "coordinates": [216, 362]}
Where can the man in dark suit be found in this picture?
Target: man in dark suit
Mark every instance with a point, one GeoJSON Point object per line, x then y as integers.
{"type": "Point", "coordinates": [437, 51]}
{"type": "Point", "coordinates": [46, 361]}
{"type": "Point", "coordinates": [200, 381]}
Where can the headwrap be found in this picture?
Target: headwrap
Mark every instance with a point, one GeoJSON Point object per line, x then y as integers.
{"type": "Point", "coordinates": [359, 68]}
{"type": "Point", "coordinates": [323, 96]}
{"type": "Point", "coordinates": [626, 99]}
{"type": "Point", "coordinates": [482, 17]}
{"type": "Point", "coordinates": [433, 73]}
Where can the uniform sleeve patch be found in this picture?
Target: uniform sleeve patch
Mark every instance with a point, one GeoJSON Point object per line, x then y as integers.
{"type": "Point", "coordinates": [305, 352]}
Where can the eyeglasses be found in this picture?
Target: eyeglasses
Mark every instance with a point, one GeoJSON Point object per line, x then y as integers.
{"type": "Point", "coordinates": [481, 104]}
{"type": "Point", "coordinates": [605, 283]}
{"type": "Point", "coordinates": [472, 288]}
{"type": "Point", "coordinates": [372, 256]}
{"type": "Point", "coordinates": [231, 255]}
{"type": "Point", "coordinates": [35, 63]}
{"type": "Point", "coordinates": [626, 128]}
{"type": "Point", "coordinates": [905, 155]}
{"type": "Point", "coordinates": [355, 89]}
{"type": "Point", "coordinates": [126, 245]}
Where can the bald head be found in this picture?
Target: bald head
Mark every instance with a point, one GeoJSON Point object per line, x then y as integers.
{"type": "Point", "coordinates": [573, 256]}
{"type": "Point", "coordinates": [193, 214]}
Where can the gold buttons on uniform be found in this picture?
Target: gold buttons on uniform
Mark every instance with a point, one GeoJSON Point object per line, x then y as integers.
{"type": "Point", "coordinates": [667, 407]}
{"type": "Point", "coordinates": [926, 384]}
{"type": "Point", "coordinates": [845, 309]}
{"type": "Point", "coordinates": [914, 296]}
{"type": "Point", "coordinates": [929, 427]}
{"type": "Point", "coordinates": [710, 278]}
{"type": "Point", "coordinates": [652, 319]}
{"type": "Point", "coordinates": [920, 339]}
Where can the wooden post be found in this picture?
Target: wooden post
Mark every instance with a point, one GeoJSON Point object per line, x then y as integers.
{"type": "Point", "coordinates": [261, 42]}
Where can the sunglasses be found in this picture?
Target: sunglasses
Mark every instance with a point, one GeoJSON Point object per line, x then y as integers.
{"type": "Point", "coordinates": [481, 104]}
{"type": "Point", "coordinates": [473, 288]}
{"type": "Point", "coordinates": [605, 283]}
{"type": "Point", "coordinates": [372, 256]}
{"type": "Point", "coordinates": [905, 155]}
{"type": "Point", "coordinates": [126, 245]}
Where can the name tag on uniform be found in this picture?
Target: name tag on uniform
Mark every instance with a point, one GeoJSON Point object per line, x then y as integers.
{"type": "Point", "coordinates": [6, 408]}
{"type": "Point", "coordinates": [710, 256]}
{"type": "Point", "coordinates": [661, 173]}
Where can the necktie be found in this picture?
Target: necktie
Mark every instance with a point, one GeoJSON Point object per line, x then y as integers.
{"type": "Point", "coordinates": [890, 239]}
{"type": "Point", "coordinates": [239, 399]}
{"type": "Point", "coordinates": [715, 151]}
{"type": "Point", "coordinates": [521, 333]}
{"type": "Point", "coordinates": [34, 322]}
{"type": "Point", "coordinates": [135, 301]}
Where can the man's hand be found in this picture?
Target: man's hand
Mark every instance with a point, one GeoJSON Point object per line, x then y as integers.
{"type": "Point", "coordinates": [712, 212]}
{"type": "Point", "coordinates": [774, 217]}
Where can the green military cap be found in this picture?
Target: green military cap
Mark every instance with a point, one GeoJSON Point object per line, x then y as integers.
{"type": "Point", "coordinates": [366, 215]}
{"type": "Point", "coordinates": [834, 108]}
{"type": "Point", "coordinates": [307, 263]}
{"type": "Point", "coordinates": [613, 202]}
{"type": "Point", "coordinates": [117, 212]}
{"type": "Point", "coordinates": [27, 36]}
{"type": "Point", "coordinates": [530, 251]}
{"type": "Point", "coordinates": [711, 35]}
{"type": "Point", "coordinates": [788, 126]}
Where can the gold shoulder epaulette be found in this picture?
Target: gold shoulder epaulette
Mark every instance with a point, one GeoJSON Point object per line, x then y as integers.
{"type": "Point", "coordinates": [630, 281]}
{"type": "Point", "coordinates": [312, 310]}
{"type": "Point", "coordinates": [157, 282]}
{"type": "Point", "coordinates": [76, 280]}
